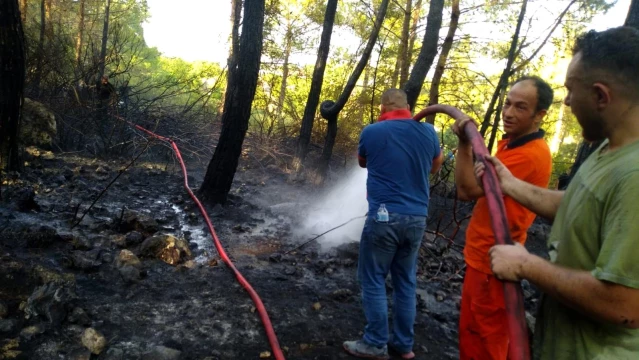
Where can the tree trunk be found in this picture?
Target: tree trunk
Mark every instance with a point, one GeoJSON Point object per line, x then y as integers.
{"type": "Point", "coordinates": [330, 110]}
{"type": "Point", "coordinates": [39, 64]}
{"type": "Point", "coordinates": [503, 79]}
{"type": "Point", "coordinates": [105, 37]}
{"type": "Point", "coordinates": [282, 96]}
{"type": "Point", "coordinates": [237, 110]}
{"type": "Point", "coordinates": [80, 37]}
{"type": "Point", "coordinates": [417, 9]}
{"type": "Point", "coordinates": [443, 57]}
{"type": "Point", "coordinates": [12, 70]}
{"type": "Point", "coordinates": [493, 133]}
{"type": "Point", "coordinates": [231, 62]}
{"type": "Point", "coordinates": [427, 54]}
{"type": "Point", "coordinates": [316, 87]}
{"type": "Point", "coordinates": [402, 56]}
{"type": "Point", "coordinates": [633, 15]}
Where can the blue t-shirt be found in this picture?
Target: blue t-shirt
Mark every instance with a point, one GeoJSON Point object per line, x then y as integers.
{"type": "Point", "coordinates": [399, 156]}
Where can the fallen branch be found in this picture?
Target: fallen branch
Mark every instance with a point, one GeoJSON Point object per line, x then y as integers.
{"type": "Point", "coordinates": [322, 234]}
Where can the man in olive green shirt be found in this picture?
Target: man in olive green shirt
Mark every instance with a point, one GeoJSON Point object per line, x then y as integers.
{"type": "Point", "coordinates": [590, 307]}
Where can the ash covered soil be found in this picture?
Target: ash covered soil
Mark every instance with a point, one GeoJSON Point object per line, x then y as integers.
{"type": "Point", "coordinates": [139, 277]}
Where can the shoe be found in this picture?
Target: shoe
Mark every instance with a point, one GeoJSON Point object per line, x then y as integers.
{"type": "Point", "coordinates": [406, 356]}
{"type": "Point", "coordinates": [361, 349]}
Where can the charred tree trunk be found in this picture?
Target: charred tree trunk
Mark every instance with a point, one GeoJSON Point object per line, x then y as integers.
{"type": "Point", "coordinates": [633, 15]}
{"type": "Point", "coordinates": [330, 109]}
{"type": "Point", "coordinates": [503, 79]}
{"type": "Point", "coordinates": [237, 110]}
{"type": "Point", "coordinates": [80, 37]}
{"type": "Point", "coordinates": [105, 37]}
{"type": "Point", "coordinates": [231, 62]}
{"type": "Point", "coordinates": [12, 70]}
{"type": "Point", "coordinates": [443, 57]}
{"type": "Point", "coordinates": [427, 54]}
{"type": "Point", "coordinates": [316, 87]}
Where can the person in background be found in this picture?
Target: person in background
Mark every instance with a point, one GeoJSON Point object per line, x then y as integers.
{"type": "Point", "coordinates": [590, 306]}
{"type": "Point", "coordinates": [483, 327]}
{"type": "Point", "coordinates": [399, 154]}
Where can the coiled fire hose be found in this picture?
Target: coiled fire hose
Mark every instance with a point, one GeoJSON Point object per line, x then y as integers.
{"type": "Point", "coordinates": [518, 347]}
{"type": "Point", "coordinates": [261, 309]}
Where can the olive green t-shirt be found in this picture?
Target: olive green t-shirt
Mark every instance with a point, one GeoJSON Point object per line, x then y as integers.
{"type": "Point", "coordinates": [596, 229]}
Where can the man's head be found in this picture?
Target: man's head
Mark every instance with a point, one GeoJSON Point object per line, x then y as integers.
{"type": "Point", "coordinates": [526, 105]}
{"type": "Point", "coordinates": [394, 99]}
{"type": "Point", "coordinates": [603, 79]}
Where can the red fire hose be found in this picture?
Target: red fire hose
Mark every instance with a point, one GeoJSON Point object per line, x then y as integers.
{"type": "Point", "coordinates": [270, 333]}
{"type": "Point", "coordinates": [518, 348]}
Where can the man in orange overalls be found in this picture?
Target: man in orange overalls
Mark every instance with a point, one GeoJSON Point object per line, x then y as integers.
{"type": "Point", "coordinates": [483, 329]}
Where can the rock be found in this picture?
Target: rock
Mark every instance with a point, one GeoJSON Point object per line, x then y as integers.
{"type": "Point", "coordinates": [133, 221]}
{"type": "Point", "coordinates": [79, 354]}
{"type": "Point", "coordinates": [348, 251]}
{"type": "Point", "coordinates": [4, 310]}
{"type": "Point", "coordinates": [265, 354]}
{"type": "Point", "coordinates": [50, 301]}
{"type": "Point", "coordinates": [81, 242]}
{"type": "Point", "coordinates": [79, 316]}
{"type": "Point", "coordinates": [114, 354]}
{"type": "Point", "coordinates": [129, 273]}
{"type": "Point", "coordinates": [24, 199]}
{"type": "Point", "coordinates": [31, 332]}
{"type": "Point", "coordinates": [162, 353]}
{"type": "Point", "coordinates": [239, 228]}
{"type": "Point", "coordinates": [41, 237]}
{"type": "Point", "coordinates": [441, 245]}
{"type": "Point", "coordinates": [276, 257]}
{"type": "Point", "coordinates": [94, 341]}
{"type": "Point", "coordinates": [167, 248]}
{"type": "Point", "coordinates": [8, 325]}
{"type": "Point", "coordinates": [102, 170]}
{"type": "Point", "coordinates": [317, 306]}
{"type": "Point", "coordinates": [37, 126]}
{"type": "Point", "coordinates": [86, 260]}
{"type": "Point", "coordinates": [341, 294]}
{"type": "Point", "coordinates": [127, 258]}
{"type": "Point", "coordinates": [134, 238]}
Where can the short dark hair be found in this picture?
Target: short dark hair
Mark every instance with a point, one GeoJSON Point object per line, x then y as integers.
{"type": "Point", "coordinates": [615, 52]}
{"type": "Point", "coordinates": [545, 94]}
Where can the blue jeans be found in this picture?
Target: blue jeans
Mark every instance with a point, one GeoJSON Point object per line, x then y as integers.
{"type": "Point", "coordinates": [390, 247]}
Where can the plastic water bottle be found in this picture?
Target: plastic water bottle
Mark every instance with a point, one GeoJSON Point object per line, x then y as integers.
{"type": "Point", "coordinates": [382, 214]}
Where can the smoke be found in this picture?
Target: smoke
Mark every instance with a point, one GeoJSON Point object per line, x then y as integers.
{"type": "Point", "coordinates": [339, 204]}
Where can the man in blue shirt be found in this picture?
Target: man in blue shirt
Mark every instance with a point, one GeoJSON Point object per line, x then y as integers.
{"type": "Point", "coordinates": [399, 154]}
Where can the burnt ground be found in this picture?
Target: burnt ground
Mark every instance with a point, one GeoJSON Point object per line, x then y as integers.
{"type": "Point", "coordinates": [56, 281]}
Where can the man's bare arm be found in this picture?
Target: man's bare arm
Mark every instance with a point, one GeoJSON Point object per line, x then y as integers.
{"type": "Point", "coordinates": [467, 187]}
{"type": "Point", "coordinates": [577, 289]}
{"type": "Point", "coordinates": [543, 202]}
{"type": "Point", "coordinates": [437, 163]}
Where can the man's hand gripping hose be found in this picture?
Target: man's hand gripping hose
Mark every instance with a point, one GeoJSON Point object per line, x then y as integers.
{"type": "Point", "coordinates": [518, 347]}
